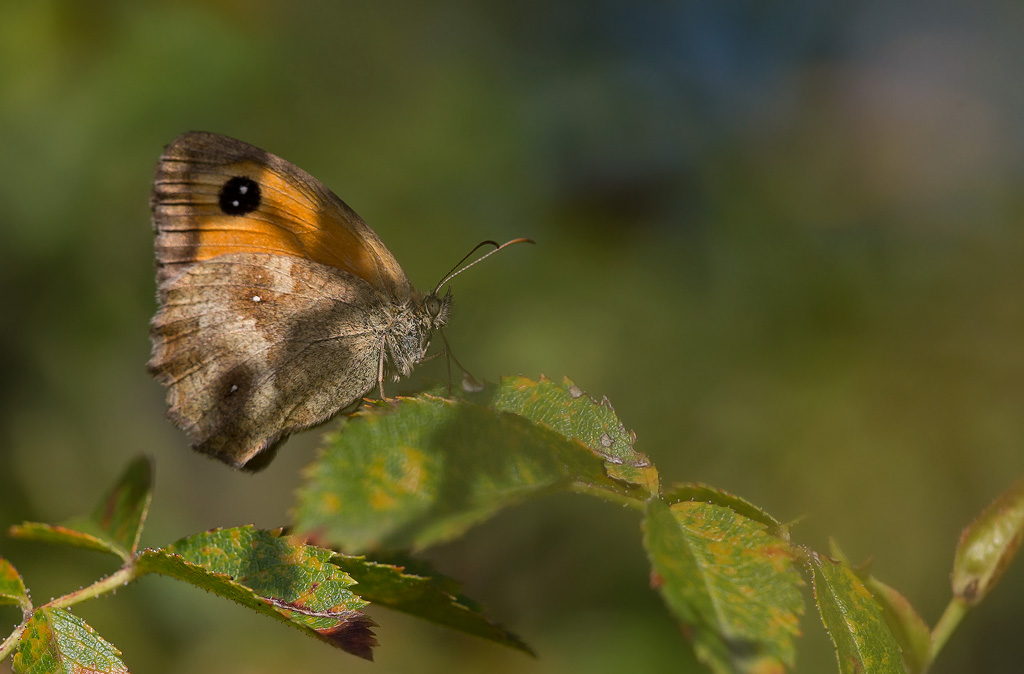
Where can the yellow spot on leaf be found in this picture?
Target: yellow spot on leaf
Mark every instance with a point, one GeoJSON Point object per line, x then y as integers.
{"type": "Point", "coordinates": [413, 474]}
{"type": "Point", "coordinates": [331, 504]}
{"type": "Point", "coordinates": [400, 474]}
{"type": "Point", "coordinates": [381, 500]}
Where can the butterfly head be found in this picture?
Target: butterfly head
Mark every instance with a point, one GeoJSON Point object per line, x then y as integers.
{"type": "Point", "coordinates": [437, 309]}
{"type": "Point", "coordinates": [432, 313]}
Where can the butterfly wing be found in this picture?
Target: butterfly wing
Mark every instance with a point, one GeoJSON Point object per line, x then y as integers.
{"type": "Point", "coordinates": [215, 195]}
{"type": "Point", "coordinates": [274, 297]}
{"type": "Point", "coordinates": [253, 347]}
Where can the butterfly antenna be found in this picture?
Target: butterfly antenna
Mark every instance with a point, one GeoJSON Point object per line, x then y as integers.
{"type": "Point", "coordinates": [457, 269]}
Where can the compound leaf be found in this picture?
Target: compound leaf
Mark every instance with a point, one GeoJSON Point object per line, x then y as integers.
{"type": "Point", "coordinates": [424, 594]}
{"type": "Point", "coordinates": [115, 524]}
{"type": "Point", "coordinates": [278, 576]}
{"type": "Point", "coordinates": [730, 582]}
{"type": "Point", "coordinates": [854, 620]}
{"type": "Point", "coordinates": [56, 641]}
{"type": "Point", "coordinates": [417, 471]}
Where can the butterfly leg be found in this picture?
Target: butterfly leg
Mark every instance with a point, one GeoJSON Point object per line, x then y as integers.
{"type": "Point", "coordinates": [469, 382]}
{"type": "Point", "coordinates": [380, 369]}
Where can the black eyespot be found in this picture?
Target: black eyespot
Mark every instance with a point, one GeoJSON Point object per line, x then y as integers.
{"type": "Point", "coordinates": [239, 196]}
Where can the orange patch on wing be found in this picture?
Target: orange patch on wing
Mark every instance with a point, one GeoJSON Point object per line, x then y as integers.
{"type": "Point", "coordinates": [290, 221]}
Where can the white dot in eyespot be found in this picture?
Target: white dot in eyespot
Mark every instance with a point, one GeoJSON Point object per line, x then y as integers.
{"type": "Point", "coordinates": [256, 298]}
{"type": "Point", "coordinates": [243, 189]}
{"type": "Point", "coordinates": [235, 203]}
{"type": "Point", "coordinates": [234, 387]}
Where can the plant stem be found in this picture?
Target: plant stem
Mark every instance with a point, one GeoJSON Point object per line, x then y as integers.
{"type": "Point", "coordinates": [955, 611]}
{"type": "Point", "coordinates": [122, 576]}
{"type": "Point", "coordinates": [13, 640]}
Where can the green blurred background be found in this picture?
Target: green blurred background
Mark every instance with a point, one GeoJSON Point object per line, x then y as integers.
{"type": "Point", "coordinates": [784, 240]}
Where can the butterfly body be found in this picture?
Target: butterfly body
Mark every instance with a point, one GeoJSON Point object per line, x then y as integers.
{"type": "Point", "coordinates": [278, 305]}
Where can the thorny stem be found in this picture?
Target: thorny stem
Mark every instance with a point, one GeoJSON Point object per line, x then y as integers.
{"type": "Point", "coordinates": [122, 576]}
{"type": "Point", "coordinates": [15, 637]}
{"type": "Point", "coordinates": [955, 611]}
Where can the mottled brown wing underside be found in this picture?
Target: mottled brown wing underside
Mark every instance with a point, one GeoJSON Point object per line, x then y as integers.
{"type": "Point", "coordinates": [253, 347]}
{"type": "Point", "coordinates": [297, 215]}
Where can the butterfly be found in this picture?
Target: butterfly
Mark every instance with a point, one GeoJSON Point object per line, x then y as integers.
{"type": "Point", "coordinates": [278, 306]}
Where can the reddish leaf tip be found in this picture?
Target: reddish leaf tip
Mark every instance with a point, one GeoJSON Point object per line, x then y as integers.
{"type": "Point", "coordinates": [353, 634]}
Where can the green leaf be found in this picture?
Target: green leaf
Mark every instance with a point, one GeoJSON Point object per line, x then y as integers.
{"type": "Point", "coordinates": [907, 627]}
{"type": "Point", "coordinates": [418, 471]}
{"type": "Point", "coordinates": [911, 631]}
{"type": "Point", "coordinates": [853, 619]}
{"type": "Point", "coordinates": [57, 641]}
{"type": "Point", "coordinates": [55, 533]}
{"type": "Point", "coordinates": [114, 525]}
{"type": "Point", "coordinates": [696, 491]}
{"type": "Point", "coordinates": [567, 410]}
{"type": "Point", "coordinates": [988, 546]}
{"type": "Point", "coordinates": [278, 576]}
{"type": "Point", "coordinates": [730, 582]}
{"type": "Point", "coordinates": [431, 597]}
{"type": "Point", "coordinates": [12, 588]}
